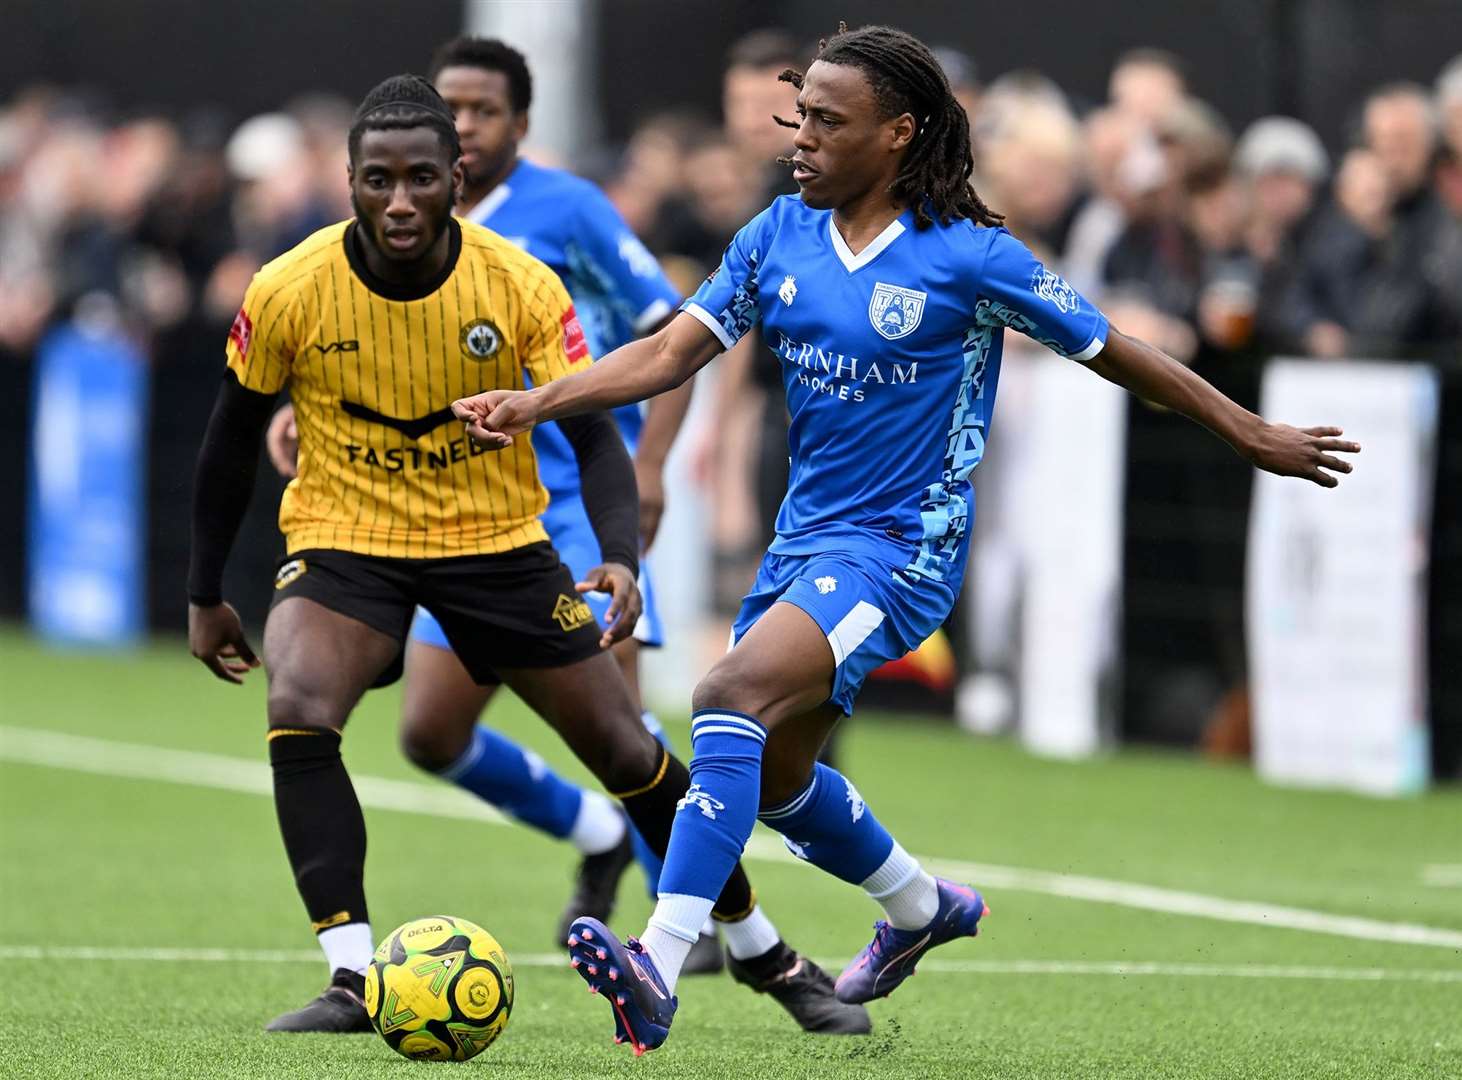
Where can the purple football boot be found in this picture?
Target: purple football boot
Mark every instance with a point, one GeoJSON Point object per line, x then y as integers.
{"type": "Point", "coordinates": [890, 957]}
{"type": "Point", "coordinates": [626, 976]}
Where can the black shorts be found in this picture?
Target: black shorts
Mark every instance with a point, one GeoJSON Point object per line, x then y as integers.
{"type": "Point", "coordinates": [517, 609]}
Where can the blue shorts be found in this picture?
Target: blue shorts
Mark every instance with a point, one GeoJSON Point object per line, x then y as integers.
{"type": "Point", "coordinates": [573, 538]}
{"type": "Point", "coordinates": [870, 610]}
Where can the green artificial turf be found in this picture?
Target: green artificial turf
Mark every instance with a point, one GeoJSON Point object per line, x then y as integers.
{"type": "Point", "coordinates": [109, 863]}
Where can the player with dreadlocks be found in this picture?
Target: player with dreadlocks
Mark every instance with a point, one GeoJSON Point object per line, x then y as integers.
{"type": "Point", "coordinates": [935, 172]}
{"type": "Point", "coordinates": [375, 325]}
{"type": "Point", "coordinates": [884, 292]}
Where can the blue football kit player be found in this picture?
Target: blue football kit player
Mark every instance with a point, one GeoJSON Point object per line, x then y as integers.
{"type": "Point", "coordinates": [883, 293]}
{"type": "Point", "coordinates": [619, 291]}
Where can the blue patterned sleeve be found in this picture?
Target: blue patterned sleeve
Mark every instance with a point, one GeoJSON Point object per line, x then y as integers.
{"type": "Point", "coordinates": [727, 302]}
{"type": "Point", "coordinates": [626, 270]}
{"type": "Point", "coordinates": [1015, 290]}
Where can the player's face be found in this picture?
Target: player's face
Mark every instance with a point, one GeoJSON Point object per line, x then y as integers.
{"type": "Point", "coordinates": [488, 127]}
{"type": "Point", "coordinates": [844, 148]}
{"type": "Point", "coordinates": [401, 186]}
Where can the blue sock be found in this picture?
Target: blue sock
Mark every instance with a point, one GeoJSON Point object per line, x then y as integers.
{"type": "Point", "coordinates": [828, 825]}
{"type": "Point", "coordinates": [714, 819]}
{"type": "Point", "coordinates": [515, 780]}
{"type": "Point", "coordinates": [649, 862]}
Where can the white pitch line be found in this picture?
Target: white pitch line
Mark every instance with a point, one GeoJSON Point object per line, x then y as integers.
{"type": "Point", "coordinates": [1200, 905]}
{"type": "Point", "coordinates": [105, 757]}
{"type": "Point", "coordinates": [1116, 968]}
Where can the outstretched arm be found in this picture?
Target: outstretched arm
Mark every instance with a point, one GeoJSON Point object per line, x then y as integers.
{"type": "Point", "coordinates": [631, 373]}
{"type": "Point", "coordinates": [1277, 448]}
{"type": "Point", "coordinates": [227, 463]}
{"type": "Point", "coordinates": [664, 416]}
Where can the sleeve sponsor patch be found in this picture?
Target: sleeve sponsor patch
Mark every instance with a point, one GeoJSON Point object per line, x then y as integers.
{"type": "Point", "coordinates": [241, 333]}
{"type": "Point", "coordinates": [1052, 288]}
{"type": "Point", "coordinates": [575, 345]}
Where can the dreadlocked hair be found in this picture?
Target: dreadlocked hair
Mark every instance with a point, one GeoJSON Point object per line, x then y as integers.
{"type": "Point", "coordinates": [934, 178]}
{"type": "Point", "coordinates": [405, 101]}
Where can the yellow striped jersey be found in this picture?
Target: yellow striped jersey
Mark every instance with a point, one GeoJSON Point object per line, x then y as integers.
{"type": "Point", "coordinates": [372, 369]}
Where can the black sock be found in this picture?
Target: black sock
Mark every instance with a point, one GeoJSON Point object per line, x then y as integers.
{"type": "Point", "coordinates": [652, 809]}
{"type": "Point", "coordinates": [320, 819]}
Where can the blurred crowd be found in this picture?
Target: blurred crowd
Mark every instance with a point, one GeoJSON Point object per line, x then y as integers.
{"type": "Point", "coordinates": [153, 222]}
{"type": "Point", "coordinates": [1216, 245]}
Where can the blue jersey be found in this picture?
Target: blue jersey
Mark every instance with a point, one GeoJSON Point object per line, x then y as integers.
{"type": "Point", "coordinates": [618, 289]}
{"type": "Point", "coordinates": [890, 360]}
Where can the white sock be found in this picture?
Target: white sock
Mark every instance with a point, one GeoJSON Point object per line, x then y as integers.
{"type": "Point", "coordinates": [349, 946]}
{"type": "Point", "coordinates": [750, 936]}
{"type": "Point", "coordinates": [598, 826]}
{"type": "Point", "coordinates": [674, 926]}
{"type": "Point", "coordinates": [708, 928]}
{"type": "Point", "coordinates": [908, 894]}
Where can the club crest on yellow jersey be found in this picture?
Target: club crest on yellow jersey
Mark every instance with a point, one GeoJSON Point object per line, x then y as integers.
{"type": "Point", "coordinates": [481, 339]}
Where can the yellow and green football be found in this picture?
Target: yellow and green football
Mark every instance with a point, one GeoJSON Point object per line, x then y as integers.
{"type": "Point", "coordinates": [439, 989]}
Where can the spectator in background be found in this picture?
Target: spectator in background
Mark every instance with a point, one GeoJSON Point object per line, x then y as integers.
{"type": "Point", "coordinates": [1195, 139]}
{"type": "Point", "coordinates": [1341, 255]}
{"type": "Point", "coordinates": [1407, 305]}
{"type": "Point", "coordinates": [1228, 274]}
{"type": "Point", "coordinates": [1449, 103]}
{"type": "Point", "coordinates": [751, 94]}
{"type": "Point", "coordinates": [652, 173]}
{"type": "Point", "coordinates": [278, 202]}
{"type": "Point", "coordinates": [1154, 272]}
{"type": "Point", "coordinates": [1122, 166]}
{"type": "Point", "coordinates": [1449, 159]}
{"type": "Point", "coordinates": [1400, 128]}
{"type": "Point", "coordinates": [324, 123]}
{"type": "Point", "coordinates": [1447, 262]}
{"type": "Point", "coordinates": [1284, 164]}
{"type": "Point", "coordinates": [1147, 84]}
{"type": "Point", "coordinates": [1028, 150]}
{"type": "Point", "coordinates": [715, 199]}
{"type": "Point", "coordinates": [1026, 84]}
{"type": "Point", "coordinates": [27, 287]}
{"type": "Point", "coordinates": [964, 79]}
{"type": "Point", "coordinates": [189, 221]}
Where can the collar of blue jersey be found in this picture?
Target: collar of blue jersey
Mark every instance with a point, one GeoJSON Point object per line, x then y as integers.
{"type": "Point", "coordinates": [492, 202]}
{"type": "Point", "coordinates": [875, 247]}
{"type": "Point", "coordinates": [390, 290]}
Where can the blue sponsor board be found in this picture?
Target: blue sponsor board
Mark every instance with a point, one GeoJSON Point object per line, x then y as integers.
{"type": "Point", "coordinates": [86, 543]}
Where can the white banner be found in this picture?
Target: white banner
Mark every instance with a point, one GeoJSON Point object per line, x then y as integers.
{"type": "Point", "coordinates": [1335, 597]}
{"type": "Point", "coordinates": [1076, 445]}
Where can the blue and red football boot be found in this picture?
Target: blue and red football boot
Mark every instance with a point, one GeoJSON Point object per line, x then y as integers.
{"type": "Point", "coordinates": [625, 975]}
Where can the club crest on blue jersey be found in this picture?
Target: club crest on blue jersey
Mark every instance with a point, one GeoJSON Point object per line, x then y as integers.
{"type": "Point", "coordinates": [895, 311]}
{"type": "Point", "coordinates": [1052, 288]}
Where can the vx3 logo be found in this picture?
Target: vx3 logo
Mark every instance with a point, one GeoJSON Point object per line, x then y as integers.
{"type": "Point", "coordinates": [351, 345]}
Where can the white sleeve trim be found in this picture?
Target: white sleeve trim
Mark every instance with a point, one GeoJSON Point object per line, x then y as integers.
{"type": "Point", "coordinates": [1098, 343]}
{"type": "Point", "coordinates": [657, 310]}
{"type": "Point", "coordinates": [712, 323]}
